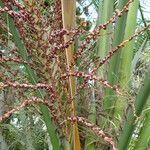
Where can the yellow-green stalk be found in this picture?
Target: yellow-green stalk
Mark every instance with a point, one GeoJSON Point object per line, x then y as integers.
{"type": "Point", "coordinates": [68, 15]}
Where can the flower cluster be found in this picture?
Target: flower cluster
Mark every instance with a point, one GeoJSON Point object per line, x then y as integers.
{"type": "Point", "coordinates": [38, 30]}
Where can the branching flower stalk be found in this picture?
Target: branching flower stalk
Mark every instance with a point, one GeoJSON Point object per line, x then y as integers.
{"type": "Point", "coordinates": [96, 32]}
{"type": "Point", "coordinates": [98, 131]}
{"type": "Point", "coordinates": [47, 65]}
{"type": "Point", "coordinates": [25, 103]}
{"type": "Point", "coordinates": [102, 62]}
{"type": "Point", "coordinates": [114, 50]}
{"type": "Point", "coordinates": [81, 120]}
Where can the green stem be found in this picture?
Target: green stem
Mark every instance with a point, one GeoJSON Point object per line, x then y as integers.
{"type": "Point", "coordinates": [114, 62]}
{"type": "Point", "coordinates": [89, 145]}
{"type": "Point", "coordinates": [126, 59]}
{"type": "Point", "coordinates": [144, 136]}
{"type": "Point", "coordinates": [105, 13]}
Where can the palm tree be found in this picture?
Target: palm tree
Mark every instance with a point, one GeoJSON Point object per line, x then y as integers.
{"type": "Point", "coordinates": [73, 82]}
